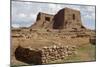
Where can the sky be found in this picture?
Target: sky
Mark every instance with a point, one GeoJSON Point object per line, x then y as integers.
{"type": "Point", "coordinates": [24, 14]}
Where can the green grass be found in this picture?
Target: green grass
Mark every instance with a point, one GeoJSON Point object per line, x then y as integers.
{"type": "Point", "coordinates": [84, 53]}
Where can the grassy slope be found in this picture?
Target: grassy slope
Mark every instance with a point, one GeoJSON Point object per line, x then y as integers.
{"type": "Point", "coordinates": [85, 53]}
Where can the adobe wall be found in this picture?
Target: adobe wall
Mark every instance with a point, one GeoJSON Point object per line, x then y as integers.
{"type": "Point", "coordinates": [42, 16]}
{"type": "Point", "coordinates": [72, 18]}
{"type": "Point", "coordinates": [43, 20]}
{"type": "Point", "coordinates": [67, 18]}
{"type": "Point", "coordinates": [59, 20]}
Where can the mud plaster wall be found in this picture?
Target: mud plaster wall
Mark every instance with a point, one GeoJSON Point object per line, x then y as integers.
{"type": "Point", "coordinates": [43, 20]}
{"type": "Point", "coordinates": [72, 18]}
{"type": "Point", "coordinates": [67, 18]}
{"type": "Point", "coordinates": [59, 20]}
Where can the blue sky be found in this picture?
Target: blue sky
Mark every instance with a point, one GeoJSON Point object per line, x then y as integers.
{"type": "Point", "coordinates": [24, 13]}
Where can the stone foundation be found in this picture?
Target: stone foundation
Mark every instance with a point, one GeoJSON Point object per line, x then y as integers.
{"type": "Point", "coordinates": [44, 55]}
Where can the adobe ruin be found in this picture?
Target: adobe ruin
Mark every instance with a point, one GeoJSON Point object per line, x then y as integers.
{"type": "Point", "coordinates": [43, 20]}
{"type": "Point", "coordinates": [66, 18]}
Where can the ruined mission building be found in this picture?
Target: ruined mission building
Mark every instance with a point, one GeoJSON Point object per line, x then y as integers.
{"type": "Point", "coordinates": [30, 38]}
{"type": "Point", "coordinates": [66, 18]}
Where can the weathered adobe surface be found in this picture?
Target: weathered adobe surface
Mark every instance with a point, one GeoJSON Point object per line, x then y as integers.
{"type": "Point", "coordinates": [44, 55]}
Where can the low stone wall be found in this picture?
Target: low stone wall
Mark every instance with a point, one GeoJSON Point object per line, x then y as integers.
{"type": "Point", "coordinates": [43, 55]}
{"type": "Point", "coordinates": [93, 40]}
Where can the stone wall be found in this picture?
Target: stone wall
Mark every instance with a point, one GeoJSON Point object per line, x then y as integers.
{"type": "Point", "coordinates": [44, 55]}
{"type": "Point", "coordinates": [93, 40]}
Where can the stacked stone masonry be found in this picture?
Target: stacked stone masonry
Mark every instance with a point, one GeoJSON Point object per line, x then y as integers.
{"type": "Point", "coordinates": [44, 55]}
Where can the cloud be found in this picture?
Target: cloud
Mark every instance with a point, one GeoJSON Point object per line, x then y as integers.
{"type": "Point", "coordinates": [54, 8]}
{"type": "Point", "coordinates": [22, 15]}
{"type": "Point", "coordinates": [87, 16]}
{"type": "Point", "coordinates": [15, 25]}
